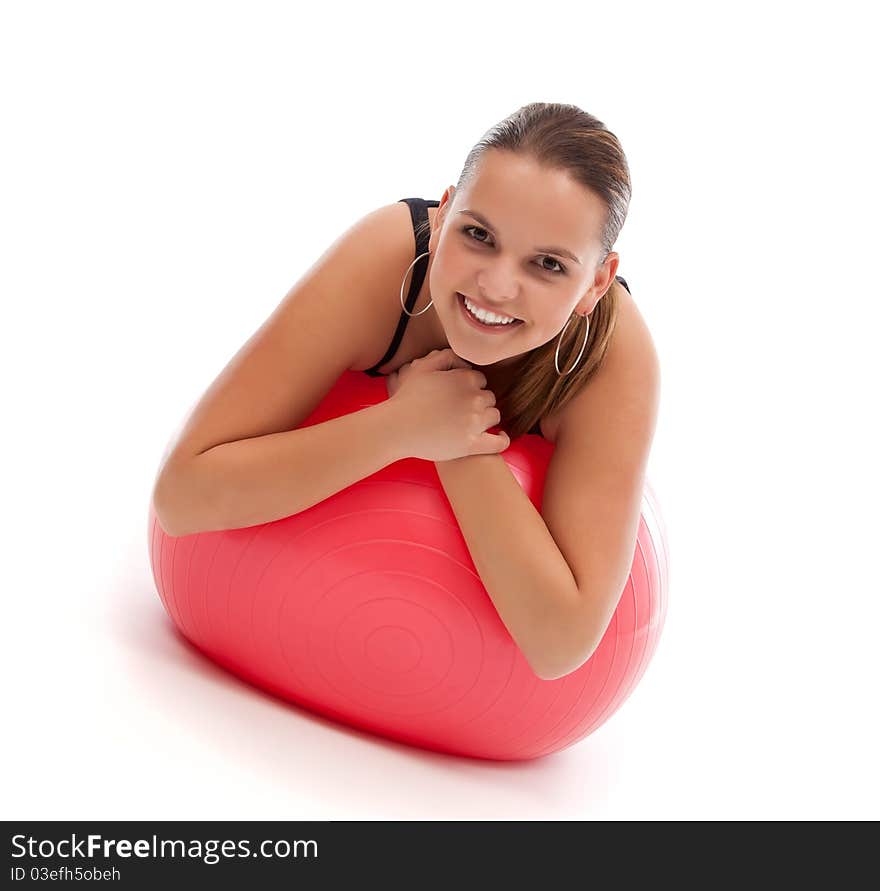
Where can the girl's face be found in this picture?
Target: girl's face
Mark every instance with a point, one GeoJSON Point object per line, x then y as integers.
{"type": "Point", "coordinates": [521, 241]}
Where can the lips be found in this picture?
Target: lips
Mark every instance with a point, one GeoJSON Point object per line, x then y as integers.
{"type": "Point", "coordinates": [471, 317]}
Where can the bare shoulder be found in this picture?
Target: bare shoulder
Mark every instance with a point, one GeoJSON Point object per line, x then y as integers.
{"type": "Point", "coordinates": [392, 227]}
{"type": "Point", "coordinates": [632, 346]}
{"type": "Point", "coordinates": [629, 374]}
{"type": "Point", "coordinates": [323, 325]}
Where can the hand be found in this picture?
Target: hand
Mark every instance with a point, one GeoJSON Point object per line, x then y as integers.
{"type": "Point", "coordinates": [444, 408]}
{"type": "Point", "coordinates": [392, 380]}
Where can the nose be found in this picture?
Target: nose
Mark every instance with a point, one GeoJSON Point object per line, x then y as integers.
{"type": "Point", "coordinates": [497, 287]}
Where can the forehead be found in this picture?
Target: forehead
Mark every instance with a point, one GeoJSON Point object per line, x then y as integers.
{"type": "Point", "coordinates": [535, 204]}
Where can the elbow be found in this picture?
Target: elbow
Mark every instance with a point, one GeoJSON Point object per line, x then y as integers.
{"type": "Point", "coordinates": [182, 507]}
{"type": "Point", "coordinates": [168, 499]}
{"type": "Point", "coordinates": [564, 659]}
{"type": "Point", "coordinates": [565, 644]}
{"type": "Point", "coordinates": [577, 637]}
{"type": "Point", "coordinates": [172, 530]}
{"type": "Point", "coordinates": [554, 670]}
{"type": "Point", "coordinates": [165, 518]}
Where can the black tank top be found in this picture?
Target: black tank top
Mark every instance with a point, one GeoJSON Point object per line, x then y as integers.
{"type": "Point", "coordinates": [418, 209]}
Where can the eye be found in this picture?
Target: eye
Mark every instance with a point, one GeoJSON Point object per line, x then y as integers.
{"type": "Point", "coordinates": [468, 229]}
{"type": "Point", "coordinates": [554, 260]}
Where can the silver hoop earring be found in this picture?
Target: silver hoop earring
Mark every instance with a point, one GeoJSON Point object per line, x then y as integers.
{"type": "Point", "coordinates": [403, 305]}
{"type": "Point", "coordinates": [559, 344]}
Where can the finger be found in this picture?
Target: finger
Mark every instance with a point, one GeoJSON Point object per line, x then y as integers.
{"type": "Point", "coordinates": [447, 359]}
{"type": "Point", "coordinates": [491, 443]}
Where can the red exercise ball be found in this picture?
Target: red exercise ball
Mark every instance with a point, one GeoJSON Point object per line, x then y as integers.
{"type": "Point", "coordinates": [367, 608]}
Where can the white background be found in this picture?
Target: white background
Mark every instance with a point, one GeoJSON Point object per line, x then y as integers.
{"type": "Point", "coordinates": [169, 170]}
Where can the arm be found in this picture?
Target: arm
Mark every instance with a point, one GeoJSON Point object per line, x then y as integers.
{"type": "Point", "coordinates": [556, 577]}
{"type": "Point", "coordinates": [265, 478]}
{"type": "Point", "coordinates": [585, 537]}
{"type": "Point", "coordinates": [516, 557]}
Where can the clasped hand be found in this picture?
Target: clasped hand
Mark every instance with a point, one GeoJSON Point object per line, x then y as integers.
{"type": "Point", "coordinates": [445, 407]}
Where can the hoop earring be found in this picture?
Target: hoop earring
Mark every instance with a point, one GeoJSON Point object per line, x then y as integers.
{"type": "Point", "coordinates": [559, 344]}
{"type": "Point", "coordinates": [403, 305]}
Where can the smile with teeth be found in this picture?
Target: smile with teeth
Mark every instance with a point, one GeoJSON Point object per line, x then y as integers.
{"type": "Point", "coordinates": [487, 318]}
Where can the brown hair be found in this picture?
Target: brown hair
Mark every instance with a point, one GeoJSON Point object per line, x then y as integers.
{"type": "Point", "coordinates": [562, 137]}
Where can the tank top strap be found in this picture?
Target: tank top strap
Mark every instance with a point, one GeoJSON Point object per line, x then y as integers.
{"type": "Point", "coordinates": [418, 209]}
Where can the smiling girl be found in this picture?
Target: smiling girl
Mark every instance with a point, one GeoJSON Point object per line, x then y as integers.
{"type": "Point", "coordinates": [514, 316]}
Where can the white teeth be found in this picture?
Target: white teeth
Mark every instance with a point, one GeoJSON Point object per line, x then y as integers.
{"type": "Point", "coordinates": [490, 318]}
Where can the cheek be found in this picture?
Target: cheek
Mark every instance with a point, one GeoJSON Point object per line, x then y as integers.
{"type": "Point", "coordinates": [451, 255]}
{"type": "Point", "coordinates": [546, 326]}
{"type": "Point", "coordinates": [446, 274]}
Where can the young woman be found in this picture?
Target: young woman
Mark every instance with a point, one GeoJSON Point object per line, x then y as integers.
{"type": "Point", "coordinates": [514, 317]}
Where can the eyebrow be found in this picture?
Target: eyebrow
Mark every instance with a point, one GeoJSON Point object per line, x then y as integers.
{"type": "Point", "coordinates": [546, 250]}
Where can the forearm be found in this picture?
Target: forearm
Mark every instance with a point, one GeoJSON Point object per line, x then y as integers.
{"type": "Point", "coordinates": [516, 557]}
{"type": "Point", "coordinates": [265, 478]}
